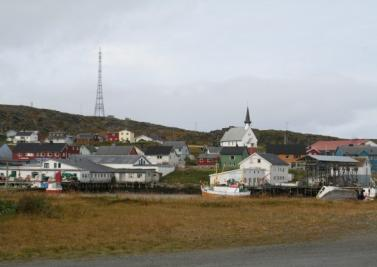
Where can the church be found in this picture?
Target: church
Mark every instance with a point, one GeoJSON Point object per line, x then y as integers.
{"type": "Point", "coordinates": [240, 136]}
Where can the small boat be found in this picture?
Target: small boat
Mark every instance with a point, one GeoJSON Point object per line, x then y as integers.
{"type": "Point", "coordinates": [232, 189]}
{"type": "Point", "coordinates": [337, 193]}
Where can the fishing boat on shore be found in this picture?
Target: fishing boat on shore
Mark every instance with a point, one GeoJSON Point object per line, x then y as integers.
{"type": "Point", "coordinates": [231, 189]}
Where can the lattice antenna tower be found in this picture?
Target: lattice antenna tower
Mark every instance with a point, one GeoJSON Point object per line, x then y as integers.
{"type": "Point", "coordinates": [99, 110]}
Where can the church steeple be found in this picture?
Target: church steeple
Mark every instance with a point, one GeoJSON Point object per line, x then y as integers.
{"type": "Point", "coordinates": [247, 119]}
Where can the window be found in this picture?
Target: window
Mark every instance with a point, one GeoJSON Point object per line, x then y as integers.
{"type": "Point", "coordinates": [159, 157]}
{"type": "Point", "coordinates": [46, 165]}
{"type": "Point", "coordinates": [59, 165]}
{"type": "Point", "coordinates": [139, 175]}
{"type": "Point", "coordinates": [231, 157]}
{"type": "Point", "coordinates": [55, 165]}
{"type": "Point", "coordinates": [259, 161]}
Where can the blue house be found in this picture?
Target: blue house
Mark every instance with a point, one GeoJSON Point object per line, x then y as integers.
{"type": "Point", "coordinates": [360, 151]}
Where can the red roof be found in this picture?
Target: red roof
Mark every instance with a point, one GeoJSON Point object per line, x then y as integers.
{"type": "Point", "coordinates": [333, 145]}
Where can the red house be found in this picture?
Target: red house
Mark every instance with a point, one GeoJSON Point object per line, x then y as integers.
{"type": "Point", "coordinates": [112, 137]}
{"type": "Point", "coordinates": [208, 159]}
{"type": "Point", "coordinates": [29, 151]}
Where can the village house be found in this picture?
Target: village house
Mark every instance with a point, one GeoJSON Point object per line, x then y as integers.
{"type": "Point", "coordinates": [208, 159]}
{"type": "Point", "coordinates": [60, 138]}
{"type": "Point", "coordinates": [335, 170]}
{"type": "Point", "coordinates": [29, 151]}
{"type": "Point", "coordinates": [126, 136]}
{"type": "Point", "coordinates": [26, 137]}
{"type": "Point", "coordinates": [88, 138]}
{"type": "Point", "coordinates": [289, 153]}
{"type": "Point", "coordinates": [112, 137]}
{"type": "Point", "coordinates": [330, 147]}
{"type": "Point", "coordinates": [241, 136]}
{"type": "Point", "coordinates": [180, 147]}
{"type": "Point", "coordinates": [369, 152]}
{"type": "Point", "coordinates": [276, 170]}
{"type": "Point", "coordinates": [131, 162]}
{"type": "Point", "coordinates": [214, 150]}
{"type": "Point", "coordinates": [10, 134]}
{"type": "Point", "coordinates": [162, 155]}
{"type": "Point", "coordinates": [230, 157]}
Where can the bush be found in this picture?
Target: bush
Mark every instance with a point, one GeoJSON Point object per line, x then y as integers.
{"type": "Point", "coordinates": [35, 205]}
{"type": "Point", "coordinates": [7, 207]}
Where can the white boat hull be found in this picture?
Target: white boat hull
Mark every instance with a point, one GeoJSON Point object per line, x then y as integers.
{"type": "Point", "coordinates": [224, 191]}
{"type": "Point", "coordinates": [337, 193]}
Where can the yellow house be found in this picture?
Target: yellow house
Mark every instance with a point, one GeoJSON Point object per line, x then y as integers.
{"type": "Point", "coordinates": [126, 136]}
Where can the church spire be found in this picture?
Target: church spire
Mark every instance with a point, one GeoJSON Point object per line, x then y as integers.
{"type": "Point", "coordinates": [247, 119]}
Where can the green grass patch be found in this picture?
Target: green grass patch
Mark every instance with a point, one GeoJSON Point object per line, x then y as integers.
{"type": "Point", "coordinates": [188, 176]}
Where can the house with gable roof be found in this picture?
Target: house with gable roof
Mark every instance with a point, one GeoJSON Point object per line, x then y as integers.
{"type": "Point", "coordinates": [240, 136]}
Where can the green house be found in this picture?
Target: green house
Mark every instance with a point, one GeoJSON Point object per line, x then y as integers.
{"type": "Point", "coordinates": [230, 157]}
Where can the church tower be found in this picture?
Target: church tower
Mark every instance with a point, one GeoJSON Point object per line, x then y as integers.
{"type": "Point", "coordinates": [247, 119]}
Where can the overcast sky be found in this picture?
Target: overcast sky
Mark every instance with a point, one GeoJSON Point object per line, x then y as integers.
{"type": "Point", "coordinates": [198, 64]}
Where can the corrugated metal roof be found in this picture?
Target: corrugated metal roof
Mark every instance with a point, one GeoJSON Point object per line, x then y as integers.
{"type": "Point", "coordinates": [37, 148]}
{"type": "Point", "coordinates": [175, 144]}
{"type": "Point", "coordinates": [333, 158]}
{"type": "Point", "coordinates": [128, 159]}
{"type": "Point", "coordinates": [114, 150]}
{"type": "Point", "coordinates": [85, 164]}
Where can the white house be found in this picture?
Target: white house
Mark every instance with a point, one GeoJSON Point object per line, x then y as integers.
{"type": "Point", "coordinates": [86, 171]}
{"type": "Point", "coordinates": [26, 137]}
{"type": "Point", "coordinates": [162, 155]}
{"type": "Point", "coordinates": [240, 136]}
{"type": "Point", "coordinates": [10, 135]}
{"type": "Point", "coordinates": [126, 136]}
{"type": "Point", "coordinates": [60, 138]}
{"type": "Point", "coordinates": [276, 170]}
{"type": "Point", "coordinates": [180, 147]}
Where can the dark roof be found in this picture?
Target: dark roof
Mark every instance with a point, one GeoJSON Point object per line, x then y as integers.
{"type": "Point", "coordinates": [273, 159]}
{"type": "Point", "coordinates": [85, 164]}
{"type": "Point", "coordinates": [25, 133]}
{"type": "Point", "coordinates": [114, 150]}
{"type": "Point", "coordinates": [290, 149]}
{"type": "Point", "coordinates": [36, 147]}
{"type": "Point", "coordinates": [233, 150]}
{"type": "Point", "coordinates": [158, 150]}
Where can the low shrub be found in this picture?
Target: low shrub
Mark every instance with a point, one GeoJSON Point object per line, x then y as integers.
{"type": "Point", "coordinates": [7, 207]}
{"type": "Point", "coordinates": [34, 204]}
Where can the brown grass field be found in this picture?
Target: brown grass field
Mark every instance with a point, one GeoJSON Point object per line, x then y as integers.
{"type": "Point", "coordinates": [97, 225]}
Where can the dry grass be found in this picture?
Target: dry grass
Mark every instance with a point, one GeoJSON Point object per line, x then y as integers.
{"type": "Point", "coordinates": [106, 225]}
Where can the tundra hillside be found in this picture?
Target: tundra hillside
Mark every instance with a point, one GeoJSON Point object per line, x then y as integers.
{"type": "Point", "coordinates": [44, 120]}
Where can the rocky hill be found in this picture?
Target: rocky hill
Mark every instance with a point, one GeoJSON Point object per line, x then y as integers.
{"type": "Point", "coordinates": [44, 120]}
